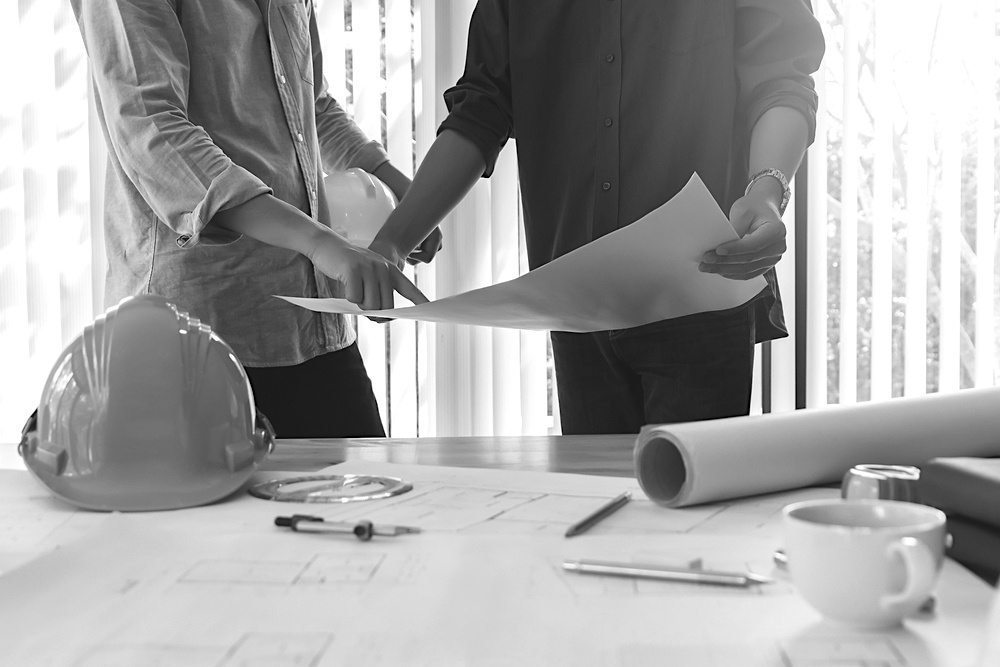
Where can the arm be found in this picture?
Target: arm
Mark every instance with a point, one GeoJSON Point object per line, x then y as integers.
{"type": "Point", "coordinates": [779, 141]}
{"type": "Point", "coordinates": [479, 122]}
{"type": "Point", "coordinates": [344, 145]}
{"type": "Point", "coordinates": [369, 280]}
{"type": "Point", "coordinates": [449, 170]}
{"type": "Point", "coordinates": [140, 69]}
{"type": "Point", "coordinates": [400, 184]}
{"type": "Point", "coordinates": [779, 44]}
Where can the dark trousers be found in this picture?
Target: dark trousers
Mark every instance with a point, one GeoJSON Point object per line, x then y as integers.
{"type": "Point", "coordinates": [329, 396]}
{"type": "Point", "coordinates": [684, 369]}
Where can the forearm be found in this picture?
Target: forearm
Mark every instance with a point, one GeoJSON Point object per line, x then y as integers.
{"type": "Point", "coordinates": [396, 180]}
{"type": "Point", "coordinates": [270, 220]}
{"type": "Point", "coordinates": [778, 141]}
{"type": "Point", "coordinates": [450, 169]}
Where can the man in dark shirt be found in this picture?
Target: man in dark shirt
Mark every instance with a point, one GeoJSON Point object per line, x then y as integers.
{"type": "Point", "coordinates": [614, 104]}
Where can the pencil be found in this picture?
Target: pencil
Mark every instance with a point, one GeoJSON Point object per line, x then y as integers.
{"type": "Point", "coordinates": [603, 511]}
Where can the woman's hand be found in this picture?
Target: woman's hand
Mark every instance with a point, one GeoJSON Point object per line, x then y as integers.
{"type": "Point", "coordinates": [369, 279]}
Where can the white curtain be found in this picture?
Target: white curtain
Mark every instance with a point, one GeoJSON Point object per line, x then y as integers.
{"type": "Point", "coordinates": [50, 239]}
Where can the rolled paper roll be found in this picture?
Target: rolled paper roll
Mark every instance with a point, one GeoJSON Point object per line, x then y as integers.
{"type": "Point", "coordinates": [701, 462]}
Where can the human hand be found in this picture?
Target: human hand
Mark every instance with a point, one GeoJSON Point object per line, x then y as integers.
{"type": "Point", "coordinates": [761, 244]}
{"type": "Point", "coordinates": [369, 278]}
{"type": "Point", "coordinates": [428, 248]}
{"type": "Point", "coordinates": [389, 251]}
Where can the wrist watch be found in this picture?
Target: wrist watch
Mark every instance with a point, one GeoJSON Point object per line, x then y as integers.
{"type": "Point", "coordinates": [786, 191]}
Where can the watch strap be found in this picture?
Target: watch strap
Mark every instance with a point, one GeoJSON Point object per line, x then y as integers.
{"type": "Point", "coordinates": [786, 191]}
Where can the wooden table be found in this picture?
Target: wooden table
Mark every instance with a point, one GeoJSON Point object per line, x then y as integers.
{"type": "Point", "coordinates": [584, 454]}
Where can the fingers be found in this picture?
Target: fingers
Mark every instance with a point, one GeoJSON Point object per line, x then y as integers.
{"type": "Point", "coordinates": [385, 290]}
{"type": "Point", "coordinates": [372, 280]}
{"type": "Point", "coordinates": [419, 256]}
{"type": "Point", "coordinates": [354, 286]}
{"type": "Point", "coordinates": [739, 271]}
{"type": "Point", "coordinates": [727, 256]}
{"type": "Point", "coordinates": [407, 289]}
{"type": "Point", "coordinates": [427, 249]}
{"type": "Point", "coordinates": [748, 257]}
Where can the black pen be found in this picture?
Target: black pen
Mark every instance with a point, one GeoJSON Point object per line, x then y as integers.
{"type": "Point", "coordinates": [603, 511]}
{"type": "Point", "coordinates": [363, 529]}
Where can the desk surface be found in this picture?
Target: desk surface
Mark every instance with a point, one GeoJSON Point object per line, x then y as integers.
{"type": "Point", "coordinates": [584, 454]}
{"type": "Point", "coordinates": [220, 586]}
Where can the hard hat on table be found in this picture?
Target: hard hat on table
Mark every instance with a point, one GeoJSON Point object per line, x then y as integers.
{"type": "Point", "coordinates": [147, 409]}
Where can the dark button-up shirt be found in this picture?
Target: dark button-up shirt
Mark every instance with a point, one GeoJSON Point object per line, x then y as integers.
{"type": "Point", "coordinates": [614, 103]}
{"type": "Point", "coordinates": [206, 104]}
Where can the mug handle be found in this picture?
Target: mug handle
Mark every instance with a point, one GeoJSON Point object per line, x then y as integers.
{"type": "Point", "coordinates": [920, 568]}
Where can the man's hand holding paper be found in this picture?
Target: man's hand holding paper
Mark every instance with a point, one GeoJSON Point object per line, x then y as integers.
{"type": "Point", "coordinates": [762, 243]}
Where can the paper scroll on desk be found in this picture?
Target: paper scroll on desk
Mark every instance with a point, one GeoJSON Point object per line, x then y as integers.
{"type": "Point", "coordinates": [700, 462]}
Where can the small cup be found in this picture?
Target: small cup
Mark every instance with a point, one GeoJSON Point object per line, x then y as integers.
{"type": "Point", "coordinates": [865, 563]}
{"type": "Point", "coordinates": [887, 482]}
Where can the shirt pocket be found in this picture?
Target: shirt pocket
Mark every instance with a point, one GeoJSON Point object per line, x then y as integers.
{"type": "Point", "coordinates": [295, 17]}
{"type": "Point", "coordinates": [683, 26]}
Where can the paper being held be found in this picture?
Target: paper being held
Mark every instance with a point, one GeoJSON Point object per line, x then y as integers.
{"type": "Point", "coordinates": [641, 273]}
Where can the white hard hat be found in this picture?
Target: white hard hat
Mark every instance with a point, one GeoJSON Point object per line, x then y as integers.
{"type": "Point", "coordinates": [148, 409]}
{"type": "Point", "coordinates": [359, 204]}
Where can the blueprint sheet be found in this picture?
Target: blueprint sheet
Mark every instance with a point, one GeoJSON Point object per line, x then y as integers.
{"type": "Point", "coordinates": [222, 586]}
{"type": "Point", "coordinates": [641, 273]}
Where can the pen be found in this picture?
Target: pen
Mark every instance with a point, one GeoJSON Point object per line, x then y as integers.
{"type": "Point", "coordinates": [741, 579]}
{"type": "Point", "coordinates": [603, 511]}
{"type": "Point", "coordinates": [363, 529]}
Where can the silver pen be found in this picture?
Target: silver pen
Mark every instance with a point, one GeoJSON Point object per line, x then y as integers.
{"type": "Point", "coordinates": [643, 571]}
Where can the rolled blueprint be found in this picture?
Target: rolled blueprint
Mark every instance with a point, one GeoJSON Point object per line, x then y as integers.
{"type": "Point", "coordinates": [700, 462]}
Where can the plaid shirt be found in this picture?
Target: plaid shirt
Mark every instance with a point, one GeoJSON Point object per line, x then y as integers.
{"type": "Point", "coordinates": [204, 105]}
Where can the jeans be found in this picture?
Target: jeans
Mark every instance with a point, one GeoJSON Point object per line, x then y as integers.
{"type": "Point", "coordinates": [683, 369]}
{"type": "Point", "coordinates": [329, 396]}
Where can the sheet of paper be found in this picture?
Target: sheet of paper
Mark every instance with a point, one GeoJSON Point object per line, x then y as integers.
{"type": "Point", "coordinates": [642, 273]}
{"type": "Point", "coordinates": [703, 462]}
{"type": "Point", "coordinates": [483, 501]}
{"type": "Point", "coordinates": [135, 592]}
{"type": "Point", "coordinates": [33, 521]}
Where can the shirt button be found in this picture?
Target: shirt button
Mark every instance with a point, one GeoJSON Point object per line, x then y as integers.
{"type": "Point", "coordinates": [611, 57]}
{"type": "Point", "coordinates": [608, 122]}
{"type": "Point", "coordinates": [606, 186]}
{"type": "Point", "coordinates": [300, 137]}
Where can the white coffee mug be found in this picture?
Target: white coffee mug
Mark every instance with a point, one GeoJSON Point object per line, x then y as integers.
{"type": "Point", "coordinates": [866, 563]}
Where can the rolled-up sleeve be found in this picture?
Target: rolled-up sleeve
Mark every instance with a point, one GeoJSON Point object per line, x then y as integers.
{"type": "Point", "coordinates": [479, 104]}
{"type": "Point", "coordinates": [779, 45]}
{"type": "Point", "coordinates": [140, 68]}
{"type": "Point", "coordinates": [342, 143]}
